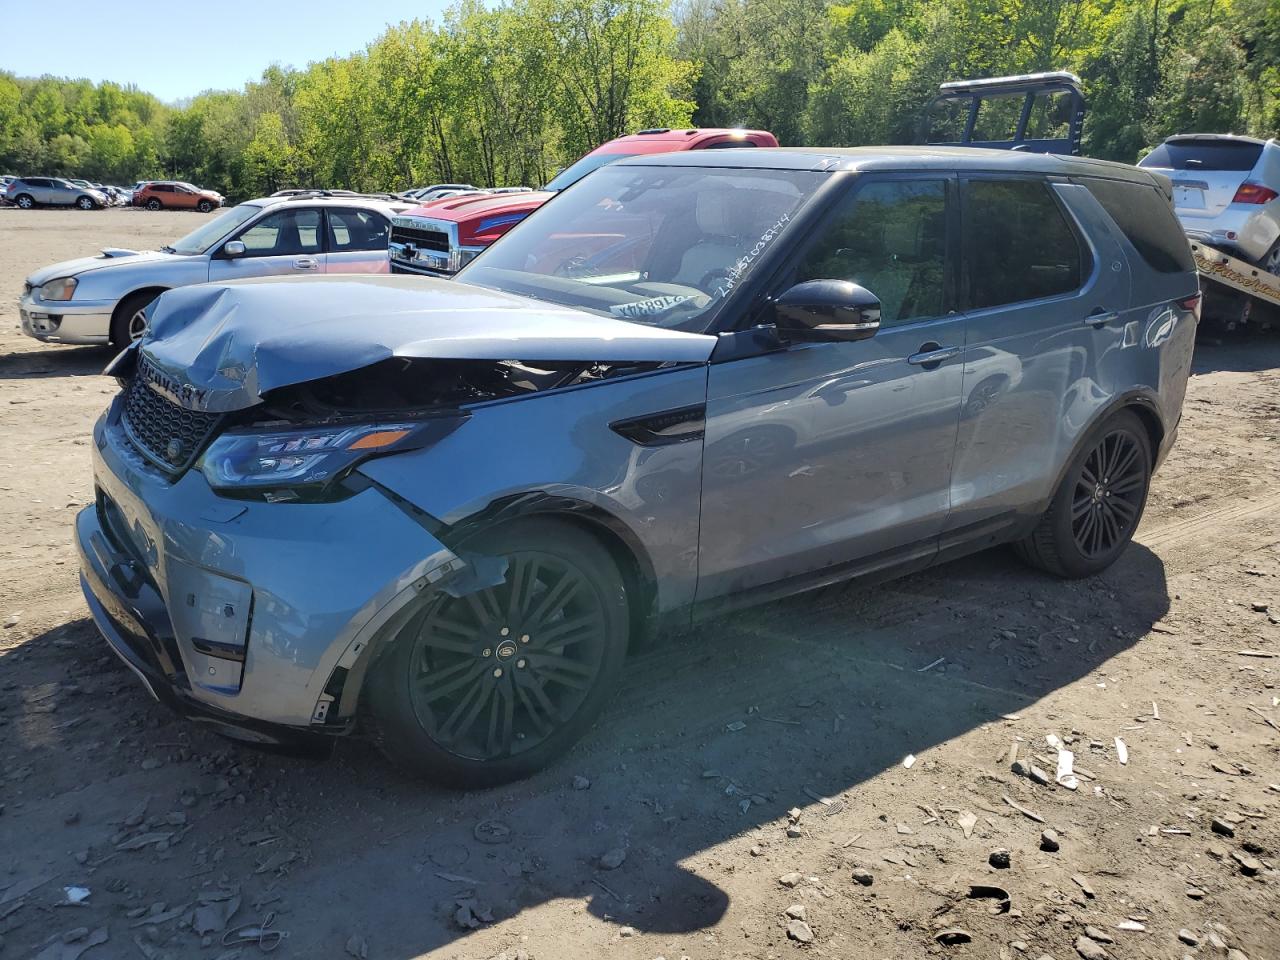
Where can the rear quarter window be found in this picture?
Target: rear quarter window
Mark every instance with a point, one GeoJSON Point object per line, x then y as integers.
{"type": "Point", "coordinates": [1146, 218]}
{"type": "Point", "coordinates": [1238, 155]}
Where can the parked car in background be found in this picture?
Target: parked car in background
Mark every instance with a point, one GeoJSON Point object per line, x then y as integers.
{"type": "Point", "coordinates": [31, 192]}
{"type": "Point", "coordinates": [421, 193]}
{"type": "Point", "coordinates": [440, 237]}
{"type": "Point", "coordinates": [452, 505]}
{"type": "Point", "coordinates": [104, 299]}
{"type": "Point", "coordinates": [1226, 192]}
{"type": "Point", "coordinates": [176, 195]}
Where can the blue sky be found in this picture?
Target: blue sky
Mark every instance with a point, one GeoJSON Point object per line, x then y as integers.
{"type": "Point", "coordinates": [195, 47]}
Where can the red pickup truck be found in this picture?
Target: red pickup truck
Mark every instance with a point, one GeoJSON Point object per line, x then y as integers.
{"type": "Point", "coordinates": [439, 238]}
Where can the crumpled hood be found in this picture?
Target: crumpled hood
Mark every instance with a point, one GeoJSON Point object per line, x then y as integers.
{"type": "Point", "coordinates": [71, 268]}
{"type": "Point", "coordinates": [234, 342]}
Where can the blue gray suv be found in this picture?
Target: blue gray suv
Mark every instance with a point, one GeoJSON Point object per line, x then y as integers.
{"type": "Point", "coordinates": [439, 512]}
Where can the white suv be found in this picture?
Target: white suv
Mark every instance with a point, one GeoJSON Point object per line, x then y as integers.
{"type": "Point", "coordinates": [1226, 192]}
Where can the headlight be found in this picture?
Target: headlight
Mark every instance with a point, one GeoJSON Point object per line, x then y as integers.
{"type": "Point", "coordinates": [257, 461]}
{"type": "Point", "coordinates": [60, 289]}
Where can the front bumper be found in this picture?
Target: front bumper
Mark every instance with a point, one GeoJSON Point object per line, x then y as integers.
{"type": "Point", "coordinates": [244, 614]}
{"type": "Point", "coordinates": [66, 321]}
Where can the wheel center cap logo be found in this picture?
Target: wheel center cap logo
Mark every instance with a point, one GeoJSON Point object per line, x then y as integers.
{"type": "Point", "coordinates": [506, 650]}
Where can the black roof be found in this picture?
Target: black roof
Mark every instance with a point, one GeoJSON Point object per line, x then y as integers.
{"type": "Point", "coordinates": [866, 159]}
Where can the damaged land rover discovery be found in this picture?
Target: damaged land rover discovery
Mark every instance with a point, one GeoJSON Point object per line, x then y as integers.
{"type": "Point", "coordinates": [439, 511]}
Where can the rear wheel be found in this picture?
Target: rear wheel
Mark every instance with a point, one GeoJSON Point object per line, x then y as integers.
{"type": "Point", "coordinates": [129, 322]}
{"type": "Point", "coordinates": [1097, 507]}
{"type": "Point", "coordinates": [490, 687]}
{"type": "Point", "coordinates": [153, 204]}
{"type": "Point", "coordinates": [24, 201]}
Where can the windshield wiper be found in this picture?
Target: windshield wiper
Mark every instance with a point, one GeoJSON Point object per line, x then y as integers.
{"type": "Point", "coordinates": [167, 249]}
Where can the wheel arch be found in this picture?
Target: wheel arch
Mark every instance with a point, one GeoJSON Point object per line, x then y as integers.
{"type": "Point", "coordinates": [623, 544]}
{"type": "Point", "coordinates": [1140, 402]}
{"type": "Point", "coordinates": [347, 685]}
{"type": "Point", "coordinates": [155, 290]}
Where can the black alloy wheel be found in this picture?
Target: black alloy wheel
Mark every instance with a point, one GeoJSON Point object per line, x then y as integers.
{"type": "Point", "coordinates": [492, 685]}
{"type": "Point", "coordinates": [1098, 504]}
{"type": "Point", "coordinates": [1109, 493]}
{"type": "Point", "coordinates": [204, 206]}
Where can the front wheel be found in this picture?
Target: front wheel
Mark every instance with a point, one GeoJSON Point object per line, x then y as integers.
{"type": "Point", "coordinates": [489, 687]}
{"type": "Point", "coordinates": [1098, 505]}
{"type": "Point", "coordinates": [129, 321]}
{"type": "Point", "coordinates": [85, 203]}
{"type": "Point", "coordinates": [204, 206]}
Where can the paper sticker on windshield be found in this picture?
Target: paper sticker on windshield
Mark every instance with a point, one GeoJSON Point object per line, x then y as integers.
{"type": "Point", "coordinates": [647, 308]}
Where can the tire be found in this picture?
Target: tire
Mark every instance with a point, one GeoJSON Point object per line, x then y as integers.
{"type": "Point", "coordinates": [85, 203]}
{"type": "Point", "coordinates": [508, 701]}
{"type": "Point", "coordinates": [1066, 542]}
{"type": "Point", "coordinates": [24, 201]}
{"type": "Point", "coordinates": [204, 206]}
{"type": "Point", "coordinates": [153, 204]}
{"type": "Point", "coordinates": [127, 322]}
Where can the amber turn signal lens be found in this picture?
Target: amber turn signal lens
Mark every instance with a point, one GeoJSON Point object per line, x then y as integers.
{"type": "Point", "coordinates": [375, 441]}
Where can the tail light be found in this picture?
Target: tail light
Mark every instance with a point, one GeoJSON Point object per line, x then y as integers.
{"type": "Point", "coordinates": [1254, 193]}
{"type": "Point", "coordinates": [1189, 303]}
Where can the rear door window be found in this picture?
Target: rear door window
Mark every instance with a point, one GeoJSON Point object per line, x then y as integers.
{"type": "Point", "coordinates": [1144, 216]}
{"type": "Point", "coordinates": [1019, 245]}
{"type": "Point", "coordinates": [356, 230]}
{"type": "Point", "coordinates": [1238, 155]}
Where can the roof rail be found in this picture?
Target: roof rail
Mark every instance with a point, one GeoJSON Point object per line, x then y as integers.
{"type": "Point", "coordinates": [342, 194]}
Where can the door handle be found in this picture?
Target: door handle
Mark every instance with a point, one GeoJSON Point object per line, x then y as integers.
{"type": "Point", "coordinates": [1100, 318]}
{"type": "Point", "coordinates": [306, 263]}
{"type": "Point", "coordinates": [931, 356]}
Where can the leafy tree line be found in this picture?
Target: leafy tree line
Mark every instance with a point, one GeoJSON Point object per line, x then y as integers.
{"type": "Point", "coordinates": [506, 94]}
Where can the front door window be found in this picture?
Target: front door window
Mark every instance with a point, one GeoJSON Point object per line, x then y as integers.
{"type": "Point", "coordinates": [890, 237]}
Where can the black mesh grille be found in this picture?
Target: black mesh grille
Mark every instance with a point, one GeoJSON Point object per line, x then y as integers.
{"type": "Point", "coordinates": [431, 239]}
{"type": "Point", "coordinates": [169, 435]}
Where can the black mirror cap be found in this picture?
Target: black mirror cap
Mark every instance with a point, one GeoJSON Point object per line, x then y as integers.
{"type": "Point", "coordinates": [828, 310]}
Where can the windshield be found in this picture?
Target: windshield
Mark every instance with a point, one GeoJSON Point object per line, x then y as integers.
{"type": "Point", "coordinates": [662, 246]}
{"type": "Point", "coordinates": [202, 238]}
{"type": "Point", "coordinates": [593, 161]}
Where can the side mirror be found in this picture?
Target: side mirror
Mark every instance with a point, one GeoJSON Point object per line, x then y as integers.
{"type": "Point", "coordinates": [828, 310]}
{"type": "Point", "coordinates": [233, 249]}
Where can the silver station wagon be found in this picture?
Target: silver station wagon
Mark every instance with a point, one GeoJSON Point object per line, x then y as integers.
{"type": "Point", "coordinates": [104, 299]}
{"type": "Point", "coordinates": [440, 511]}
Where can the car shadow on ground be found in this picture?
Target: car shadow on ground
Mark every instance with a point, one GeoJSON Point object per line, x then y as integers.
{"type": "Point", "coordinates": [713, 736]}
{"type": "Point", "coordinates": [59, 361]}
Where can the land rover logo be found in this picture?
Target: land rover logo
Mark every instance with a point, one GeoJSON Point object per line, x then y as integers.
{"type": "Point", "coordinates": [506, 650]}
{"type": "Point", "coordinates": [173, 451]}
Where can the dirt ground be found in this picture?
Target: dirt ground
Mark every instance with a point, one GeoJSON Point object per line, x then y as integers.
{"type": "Point", "coordinates": [814, 705]}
